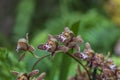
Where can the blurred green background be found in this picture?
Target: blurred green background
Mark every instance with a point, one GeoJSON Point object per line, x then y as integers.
{"type": "Point", "coordinates": [99, 24]}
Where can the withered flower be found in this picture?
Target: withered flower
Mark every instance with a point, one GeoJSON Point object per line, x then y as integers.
{"type": "Point", "coordinates": [107, 74]}
{"type": "Point", "coordinates": [24, 76]}
{"type": "Point", "coordinates": [23, 44]}
{"type": "Point", "coordinates": [98, 60]}
{"type": "Point", "coordinates": [52, 46]}
{"type": "Point", "coordinates": [87, 54]}
{"type": "Point", "coordinates": [117, 72]}
{"type": "Point", "coordinates": [67, 37]}
{"type": "Point", "coordinates": [109, 64]}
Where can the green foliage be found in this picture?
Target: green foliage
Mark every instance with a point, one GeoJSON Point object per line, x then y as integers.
{"type": "Point", "coordinates": [93, 26]}
{"type": "Point", "coordinates": [24, 14]}
{"type": "Point", "coordinates": [100, 32]}
{"type": "Point", "coordinates": [9, 62]}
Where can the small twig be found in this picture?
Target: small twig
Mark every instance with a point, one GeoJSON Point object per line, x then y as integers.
{"type": "Point", "coordinates": [39, 60]}
{"type": "Point", "coordinates": [80, 64]}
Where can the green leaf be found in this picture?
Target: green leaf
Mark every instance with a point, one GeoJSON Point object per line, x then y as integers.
{"type": "Point", "coordinates": [75, 27]}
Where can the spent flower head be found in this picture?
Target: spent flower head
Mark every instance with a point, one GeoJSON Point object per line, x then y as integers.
{"type": "Point", "coordinates": [52, 46]}
{"type": "Point", "coordinates": [23, 44]}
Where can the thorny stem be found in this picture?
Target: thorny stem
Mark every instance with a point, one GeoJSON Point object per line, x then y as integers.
{"type": "Point", "coordinates": [40, 58]}
{"type": "Point", "coordinates": [80, 64]}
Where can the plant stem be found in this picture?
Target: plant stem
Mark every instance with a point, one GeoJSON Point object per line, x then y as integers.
{"type": "Point", "coordinates": [40, 58]}
{"type": "Point", "coordinates": [80, 64]}
{"type": "Point", "coordinates": [34, 55]}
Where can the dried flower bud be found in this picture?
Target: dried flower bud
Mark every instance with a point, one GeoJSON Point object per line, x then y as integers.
{"type": "Point", "coordinates": [66, 36]}
{"type": "Point", "coordinates": [63, 49]}
{"type": "Point", "coordinates": [24, 45]}
{"type": "Point", "coordinates": [20, 76]}
{"type": "Point", "coordinates": [78, 40]}
{"type": "Point", "coordinates": [118, 73]}
{"type": "Point", "coordinates": [41, 76]}
{"type": "Point", "coordinates": [88, 51]}
{"type": "Point", "coordinates": [109, 63]}
{"type": "Point", "coordinates": [32, 73]}
{"type": "Point", "coordinates": [83, 56]}
{"type": "Point", "coordinates": [25, 76]}
{"type": "Point", "coordinates": [107, 74]}
{"type": "Point", "coordinates": [98, 59]}
{"type": "Point", "coordinates": [51, 45]}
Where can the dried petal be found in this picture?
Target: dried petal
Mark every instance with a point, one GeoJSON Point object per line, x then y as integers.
{"type": "Point", "coordinates": [32, 73]}
{"type": "Point", "coordinates": [83, 56]}
{"type": "Point", "coordinates": [118, 73]}
{"type": "Point", "coordinates": [63, 49]}
{"type": "Point", "coordinates": [41, 76]}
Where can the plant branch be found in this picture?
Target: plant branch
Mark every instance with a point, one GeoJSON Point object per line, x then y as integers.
{"type": "Point", "coordinates": [80, 64]}
{"type": "Point", "coordinates": [40, 58]}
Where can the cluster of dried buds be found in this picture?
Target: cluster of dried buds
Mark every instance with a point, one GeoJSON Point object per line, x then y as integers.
{"type": "Point", "coordinates": [28, 76]}
{"type": "Point", "coordinates": [108, 70]}
{"type": "Point", "coordinates": [63, 42]}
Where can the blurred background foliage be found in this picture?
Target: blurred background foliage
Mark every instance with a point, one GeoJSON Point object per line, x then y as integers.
{"type": "Point", "coordinates": [98, 22]}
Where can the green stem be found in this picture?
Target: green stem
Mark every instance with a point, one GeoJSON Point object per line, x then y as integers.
{"type": "Point", "coordinates": [34, 55]}
{"type": "Point", "coordinates": [80, 64]}
{"type": "Point", "coordinates": [39, 60]}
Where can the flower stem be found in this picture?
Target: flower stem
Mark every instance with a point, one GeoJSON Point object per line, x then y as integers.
{"type": "Point", "coordinates": [34, 55]}
{"type": "Point", "coordinates": [40, 58]}
{"type": "Point", "coordinates": [80, 64]}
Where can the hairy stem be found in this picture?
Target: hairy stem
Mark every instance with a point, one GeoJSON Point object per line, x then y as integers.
{"type": "Point", "coordinates": [80, 64]}
{"type": "Point", "coordinates": [39, 60]}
